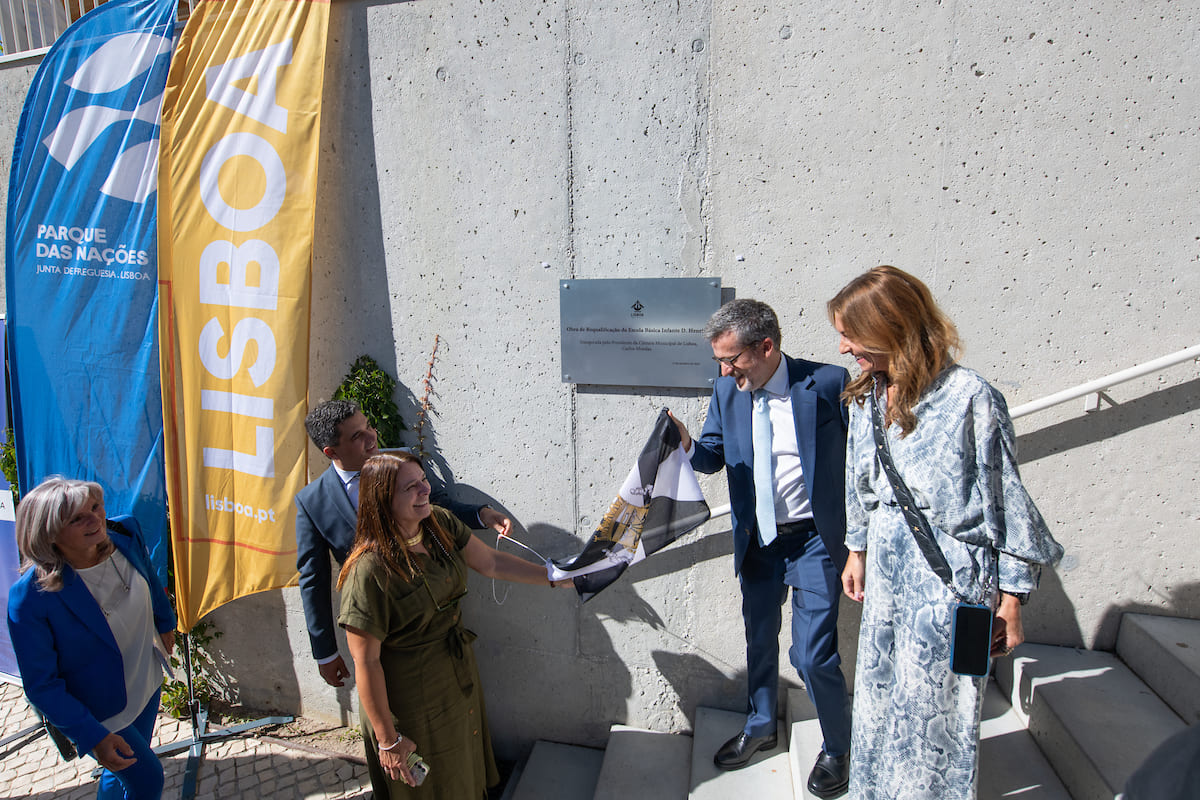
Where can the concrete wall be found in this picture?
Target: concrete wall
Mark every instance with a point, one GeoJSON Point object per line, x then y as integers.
{"type": "Point", "coordinates": [1036, 164]}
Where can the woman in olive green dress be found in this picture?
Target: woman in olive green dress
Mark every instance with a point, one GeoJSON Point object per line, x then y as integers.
{"type": "Point", "coordinates": [418, 684]}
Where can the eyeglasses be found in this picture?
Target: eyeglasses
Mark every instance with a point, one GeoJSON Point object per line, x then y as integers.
{"type": "Point", "coordinates": [730, 361]}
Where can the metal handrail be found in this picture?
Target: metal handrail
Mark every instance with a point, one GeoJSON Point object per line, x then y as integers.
{"type": "Point", "coordinates": [1067, 395]}
{"type": "Point", "coordinates": [1107, 382]}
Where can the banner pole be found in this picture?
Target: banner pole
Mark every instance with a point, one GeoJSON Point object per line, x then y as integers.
{"type": "Point", "coordinates": [200, 733]}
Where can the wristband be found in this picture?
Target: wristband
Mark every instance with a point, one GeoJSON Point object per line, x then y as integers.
{"type": "Point", "coordinates": [393, 745]}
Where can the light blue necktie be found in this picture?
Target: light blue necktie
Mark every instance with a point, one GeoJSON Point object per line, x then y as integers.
{"type": "Point", "coordinates": [764, 475]}
{"type": "Point", "coordinates": [352, 490]}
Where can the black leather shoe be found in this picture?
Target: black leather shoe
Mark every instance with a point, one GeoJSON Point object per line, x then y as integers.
{"type": "Point", "coordinates": [830, 776]}
{"type": "Point", "coordinates": [736, 753]}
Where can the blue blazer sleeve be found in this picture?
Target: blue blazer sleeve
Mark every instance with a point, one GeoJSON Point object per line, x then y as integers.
{"type": "Point", "coordinates": [312, 561]}
{"type": "Point", "coordinates": [38, 626]}
{"type": "Point", "coordinates": [708, 455]}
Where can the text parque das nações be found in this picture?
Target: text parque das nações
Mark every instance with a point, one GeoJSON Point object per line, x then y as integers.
{"type": "Point", "coordinates": [84, 244]}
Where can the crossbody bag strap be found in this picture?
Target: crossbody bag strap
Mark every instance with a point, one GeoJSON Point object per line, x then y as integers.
{"type": "Point", "coordinates": [917, 522]}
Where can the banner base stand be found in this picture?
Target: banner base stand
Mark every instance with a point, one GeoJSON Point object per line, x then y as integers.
{"type": "Point", "coordinates": [195, 746]}
{"type": "Point", "coordinates": [201, 736]}
{"type": "Point", "coordinates": [200, 733]}
{"type": "Point", "coordinates": [32, 732]}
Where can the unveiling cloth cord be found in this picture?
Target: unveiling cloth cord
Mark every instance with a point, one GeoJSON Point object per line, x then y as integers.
{"type": "Point", "coordinates": [499, 538]}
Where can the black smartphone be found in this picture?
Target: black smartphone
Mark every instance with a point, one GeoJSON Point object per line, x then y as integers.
{"type": "Point", "coordinates": [971, 640]}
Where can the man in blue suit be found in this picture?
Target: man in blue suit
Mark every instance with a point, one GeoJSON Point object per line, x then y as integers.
{"type": "Point", "coordinates": [790, 413]}
{"type": "Point", "coordinates": [326, 512]}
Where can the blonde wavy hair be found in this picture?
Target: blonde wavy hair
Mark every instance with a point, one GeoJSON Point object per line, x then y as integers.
{"type": "Point", "coordinates": [41, 516]}
{"type": "Point", "coordinates": [893, 314]}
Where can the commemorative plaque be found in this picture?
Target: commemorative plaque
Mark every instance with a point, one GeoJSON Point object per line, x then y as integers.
{"type": "Point", "coordinates": [638, 331]}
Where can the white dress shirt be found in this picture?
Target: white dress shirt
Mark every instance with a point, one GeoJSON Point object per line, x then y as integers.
{"type": "Point", "coordinates": [349, 483]}
{"type": "Point", "coordinates": [791, 493]}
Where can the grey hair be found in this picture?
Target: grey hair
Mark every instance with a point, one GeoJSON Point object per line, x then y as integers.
{"type": "Point", "coordinates": [41, 516]}
{"type": "Point", "coordinates": [323, 421]}
{"type": "Point", "coordinates": [751, 320]}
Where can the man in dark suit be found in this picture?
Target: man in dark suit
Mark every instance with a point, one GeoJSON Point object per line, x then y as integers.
{"type": "Point", "coordinates": [326, 512]}
{"type": "Point", "coordinates": [788, 411]}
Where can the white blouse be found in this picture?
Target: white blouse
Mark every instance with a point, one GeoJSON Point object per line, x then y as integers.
{"type": "Point", "coordinates": [124, 597]}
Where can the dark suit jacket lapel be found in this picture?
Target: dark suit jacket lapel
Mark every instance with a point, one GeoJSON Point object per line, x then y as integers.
{"type": "Point", "coordinates": [742, 408]}
{"type": "Point", "coordinates": [335, 495]}
{"type": "Point", "coordinates": [804, 409]}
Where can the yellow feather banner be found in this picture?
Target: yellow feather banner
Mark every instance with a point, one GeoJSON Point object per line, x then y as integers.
{"type": "Point", "coordinates": [237, 197]}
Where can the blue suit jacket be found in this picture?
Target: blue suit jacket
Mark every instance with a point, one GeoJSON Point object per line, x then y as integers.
{"type": "Point", "coordinates": [70, 665]}
{"type": "Point", "coordinates": [325, 523]}
{"type": "Point", "coordinates": [821, 423]}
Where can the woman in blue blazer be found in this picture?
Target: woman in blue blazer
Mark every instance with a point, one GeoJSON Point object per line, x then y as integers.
{"type": "Point", "coordinates": [91, 625]}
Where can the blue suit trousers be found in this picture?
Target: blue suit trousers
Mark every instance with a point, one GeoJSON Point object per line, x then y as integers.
{"type": "Point", "coordinates": [144, 779]}
{"type": "Point", "coordinates": [801, 562]}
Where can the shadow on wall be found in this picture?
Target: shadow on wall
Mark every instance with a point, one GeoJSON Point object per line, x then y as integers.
{"type": "Point", "coordinates": [1050, 616]}
{"type": "Point", "coordinates": [700, 681]}
{"type": "Point", "coordinates": [551, 670]}
{"type": "Point", "coordinates": [254, 655]}
{"type": "Point", "coordinates": [351, 308]}
{"type": "Point", "coordinates": [350, 314]}
{"type": "Point", "coordinates": [541, 680]}
{"type": "Point", "coordinates": [1109, 422]}
{"type": "Point", "coordinates": [409, 406]}
{"type": "Point", "coordinates": [1179, 601]}
{"type": "Point", "coordinates": [696, 677]}
{"type": "Point", "coordinates": [718, 544]}
{"type": "Point", "coordinates": [436, 466]}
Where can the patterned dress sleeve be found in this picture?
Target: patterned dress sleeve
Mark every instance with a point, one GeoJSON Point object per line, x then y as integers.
{"type": "Point", "coordinates": [1015, 526]}
{"type": "Point", "coordinates": [857, 515]}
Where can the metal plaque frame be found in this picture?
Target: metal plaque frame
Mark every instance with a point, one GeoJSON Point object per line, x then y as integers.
{"type": "Point", "coordinates": [638, 331]}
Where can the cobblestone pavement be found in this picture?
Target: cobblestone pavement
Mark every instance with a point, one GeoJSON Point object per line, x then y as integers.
{"type": "Point", "coordinates": [244, 766]}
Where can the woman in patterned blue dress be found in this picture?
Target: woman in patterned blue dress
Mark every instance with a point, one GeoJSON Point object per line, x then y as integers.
{"type": "Point", "coordinates": [916, 724]}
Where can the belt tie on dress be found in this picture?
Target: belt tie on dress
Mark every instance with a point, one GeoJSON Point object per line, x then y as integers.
{"type": "Point", "coordinates": [458, 642]}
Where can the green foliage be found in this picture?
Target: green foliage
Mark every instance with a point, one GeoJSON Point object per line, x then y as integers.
{"type": "Point", "coordinates": [8, 461]}
{"type": "Point", "coordinates": [207, 681]}
{"type": "Point", "coordinates": [371, 389]}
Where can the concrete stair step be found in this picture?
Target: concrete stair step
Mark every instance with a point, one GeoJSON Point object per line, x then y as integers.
{"type": "Point", "coordinates": [1165, 653]}
{"type": "Point", "coordinates": [1010, 763]}
{"type": "Point", "coordinates": [766, 776]}
{"type": "Point", "coordinates": [804, 741]}
{"type": "Point", "coordinates": [642, 763]}
{"type": "Point", "coordinates": [1091, 716]}
{"type": "Point", "coordinates": [560, 771]}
